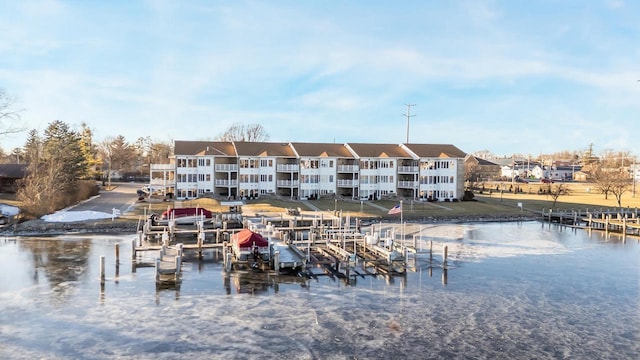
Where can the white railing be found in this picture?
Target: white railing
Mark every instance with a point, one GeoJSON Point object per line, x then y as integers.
{"type": "Point", "coordinates": [407, 169]}
{"type": "Point", "coordinates": [162, 167]}
{"type": "Point", "coordinates": [222, 182]}
{"type": "Point", "coordinates": [347, 183]}
{"type": "Point", "coordinates": [288, 167]}
{"type": "Point", "coordinates": [162, 182]}
{"type": "Point", "coordinates": [407, 184]}
{"type": "Point", "coordinates": [226, 167]}
{"type": "Point", "coordinates": [348, 168]}
{"type": "Point", "coordinates": [287, 183]}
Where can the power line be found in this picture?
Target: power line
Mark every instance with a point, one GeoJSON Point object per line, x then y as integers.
{"type": "Point", "coordinates": [408, 116]}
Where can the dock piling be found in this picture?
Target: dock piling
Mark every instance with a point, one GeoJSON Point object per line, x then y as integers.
{"type": "Point", "coordinates": [102, 274]}
{"type": "Point", "coordinates": [444, 256]}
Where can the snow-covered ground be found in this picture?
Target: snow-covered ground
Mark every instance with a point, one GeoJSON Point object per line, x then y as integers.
{"type": "Point", "coordinates": [60, 216]}
{"type": "Point", "coordinates": [71, 216]}
{"type": "Point", "coordinates": [8, 210]}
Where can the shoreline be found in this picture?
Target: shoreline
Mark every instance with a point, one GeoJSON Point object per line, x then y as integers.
{"type": "Point", "coordinates": [35, 228]}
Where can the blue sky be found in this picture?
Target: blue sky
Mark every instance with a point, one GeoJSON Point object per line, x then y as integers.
{"type": "Point", "coordinates": [524, 77]}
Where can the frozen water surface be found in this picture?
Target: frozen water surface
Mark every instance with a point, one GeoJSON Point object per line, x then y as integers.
{"type": "Point", "coordinates": [513, 290]}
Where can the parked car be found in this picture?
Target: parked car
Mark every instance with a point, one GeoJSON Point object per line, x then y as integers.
{"type": "Point", "coordinates": [521, 180]}
{"type": "Point", "coordinates": [546, 181]}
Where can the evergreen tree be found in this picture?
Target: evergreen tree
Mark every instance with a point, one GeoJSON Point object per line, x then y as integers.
{"type": "Point", "coordinates": [33, 147]}
{"type": "Point", "coordinates": [62, 145]}
{"type": "Point", "coordinates": [89, 152]}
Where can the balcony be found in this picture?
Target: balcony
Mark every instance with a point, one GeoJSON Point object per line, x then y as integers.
{"type": "Point", "coordinates": [407, 184]}
{"type": "Point", "coordinates": [348, 168]}
{"type": "Point", "coordinates": [226, 167]}
{"type": "Point", "coordinates": [287, 183]}
{"type": "Point", "coordinates": [347, 183]}
{"type": "Point", "coordinates": [288, 168]}
{"type": "Point", "coordinates": [162, 167]}
{"type": "Point", "coordinates": [163, 182]}
{"type": "Point", "coordinates": [224, 182]}
{"type": "Point", "coordinates": [408, 169]}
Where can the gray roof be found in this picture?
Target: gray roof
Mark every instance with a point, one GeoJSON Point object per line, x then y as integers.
{"type": "Point", "coordinates": [245, 148]}
{"type": "Point", "coordinates": [322, 150]}
{"type": "Point", "coordinates": [379, 150]}
{"type": "Point", "coordinates": [221, 148]}
{"type": "Point", "coordinates": [13, 171]}
{"type": "Point", "coordinates": [362, 150]}
{"type": "Point", "coordinates": [436, 150]}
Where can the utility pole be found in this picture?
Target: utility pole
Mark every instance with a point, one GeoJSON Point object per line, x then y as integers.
{"type": "Point", "coordinates": [408, 116]}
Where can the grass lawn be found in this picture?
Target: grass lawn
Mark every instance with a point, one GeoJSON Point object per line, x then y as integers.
{"type": "Point", "coordinates": [581, 196]}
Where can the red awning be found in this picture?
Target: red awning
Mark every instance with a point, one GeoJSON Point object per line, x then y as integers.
{"type": "Point", "coordinates": [247, 238]}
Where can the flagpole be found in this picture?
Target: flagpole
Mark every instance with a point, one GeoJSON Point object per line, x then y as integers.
{"type": "Point", "coordinates": [401, 222]}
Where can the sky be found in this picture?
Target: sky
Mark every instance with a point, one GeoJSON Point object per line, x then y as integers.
{"type": "Point", "coordinates": [510, 77]}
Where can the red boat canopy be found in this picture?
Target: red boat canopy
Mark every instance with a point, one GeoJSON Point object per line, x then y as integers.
{"type": "Point", "coordinates": [247, 238]}
{"type": "Point", "coordinates": [182, 212]}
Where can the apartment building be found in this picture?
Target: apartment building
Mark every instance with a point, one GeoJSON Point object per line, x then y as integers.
{"type": "Point", "coordinates": [361, 171]}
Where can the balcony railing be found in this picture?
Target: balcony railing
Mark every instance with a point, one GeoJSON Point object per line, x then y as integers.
{"type": "Point", "coordinates": [348, 168]}
{"type": "Point", "coordinates": [226, 167]}
{"type": "Point", "coordinates": [407, 169]}
{"type": "Point", "coordinates": [222, 182]}
{"type": "Point", "coordinates": [288, 167]}
{"type": "Point", "coordinates": [347, 183]}
{"type": "Point", "coordinates": [287, 183]}
{"type": "Point", "coordinates": [408, 184]}
{"type": "Point", "coordinates": [162, 167]}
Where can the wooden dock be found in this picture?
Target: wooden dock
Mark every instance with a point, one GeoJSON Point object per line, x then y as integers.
{"type": "Point", "coordinates": [623, 221]}
{"type": "Point", "coordinates": [305, 248]}
{"type": "Point", "coordinates": [168, 265]}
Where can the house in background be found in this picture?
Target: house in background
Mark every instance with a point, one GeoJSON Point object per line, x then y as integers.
{"type": "Point", "coordinates": [9, 175]}
{"type": "Point", "coordinates": [485, 170]}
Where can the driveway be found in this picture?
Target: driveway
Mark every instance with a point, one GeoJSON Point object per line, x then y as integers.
{"type": "Point", "coordinates": [122, 197]}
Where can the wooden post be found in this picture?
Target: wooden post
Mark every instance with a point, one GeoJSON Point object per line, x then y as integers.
{"type": "Point", "coordinates": [133, 250]}
{"type": "Point", "coordinates": [224, 256]}
{"type": "Point", "coordinates": [228, 268]}
{"type": "Point", "coordinates": [117, 246]}
{"type": "Point", "coordinates": [444, 256]}
{"type": "Point", "coordinates": [276, 262]}
{"type": "Point", "coordinates": [157, 270]}
{"type": "Point", "coordinates": [430, 250]}
{"type": "Point", "coordinates": [102, 276]}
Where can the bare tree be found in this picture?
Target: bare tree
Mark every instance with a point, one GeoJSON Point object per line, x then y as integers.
{"type": "Point", "coordinates": [242, 132]}
{"type": "Point", "coordinates": [603, 179]}
{"type": "Point", "coordinates": [555, 191]}
{"type": "Point", "coordinates": [620, 183]}
{"type": "Point", "coordinates": [117, 155]}
{"type": "Point", "coordinates": [38, 193]}
{"type": "Point", "coordinates": [472, 173]}
{"type": "Point", "coordinates": [9, 118]}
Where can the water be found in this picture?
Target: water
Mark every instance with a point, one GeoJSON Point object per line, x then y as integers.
{"type": "Point", "coordinates": [513, 290]}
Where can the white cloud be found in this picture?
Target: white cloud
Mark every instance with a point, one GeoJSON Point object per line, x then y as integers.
{"type": "Point", "coordinates": [189, 71]}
